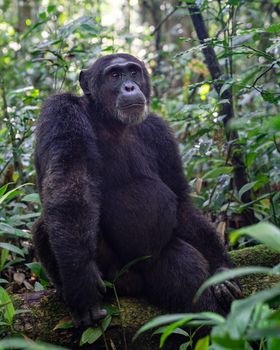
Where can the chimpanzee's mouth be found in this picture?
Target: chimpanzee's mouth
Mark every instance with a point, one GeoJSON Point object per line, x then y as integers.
{"type": "Point", "coordinates": [133, 105]}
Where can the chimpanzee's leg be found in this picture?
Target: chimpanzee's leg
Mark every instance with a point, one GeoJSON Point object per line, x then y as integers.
{"type": "Point", "coordinates": [172, 280]}
{"type": "Point", "coordinates": [44, 252]}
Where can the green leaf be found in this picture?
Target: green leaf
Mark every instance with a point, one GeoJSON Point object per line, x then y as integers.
{"type": "Point", "coordinates": [108, 284]}
{"type": "Point", "coordinates": [90, 335]}
{"type": "Point", "coordinates": [175, 331]}
{"type": "Point", "coordinates": [42, 15]}
{"type": "Point", "coordinates": [242, 310]}
{"type": "Point", "coordinates": [250, 158]}
{"type": "Point", "coordinates": [7, 229]}
{"type": "Point", "coordinates": [273, 344]}
{"type": "Point", "coordinates": [38, 270]}
{"type": "Point", "coordinates": [172, 328]}
{"type": "Point", "coordinates": [32, 197]}
{"type": "Point", "coordinates": [274, 28]}
{"type": "Point", "coordinates": [64, 323]}
{"type": "Point", "coordinates": [246, 188]}
{"type": "Point", "coordinates": [26, 344]}
{"type": "Point", "coordinates": [3, 189]}
{"type": "Point", "coordinates": [273, 123]}
{"type": "Point", "coordinates": [227, 85]}
{"type": "Point", "coordinates": [230, 274]}
{"type": "Point", "coordinates": [51, 8]}
{"type": "Point", "coordinates": [214, 173]}
{"type": "Point", "coordinates": [94, 30]}
{"type": "Point", "coordinates": [105, 323]}
{"type": "Point", "coordinates": [10, 310]}
{"type": "Point", "coordinates": [159, 321]}
{"type": "Point", "coordinates": [4, 304]}
{"type": "Point", "coordinates": [180, 318]}
{"type": "Point", "coordinates": [3, 259]}
{"type": "Point", "coordinates": [265, 332]}
{"type": "Point", "coordinates": [202, 344]}
{"type": "Point", "coordinates": [13, 193]}
{"type": "Point", "coordinates": [269, 97]}
{"type": "Point", "coordinates": [111, 310]}
{"type": "Point", "coordinates": [12, 248]}
{"type": "Point", "coordinates": [263, 232]}
{"type": "Point", "coordinates": [185, 346]}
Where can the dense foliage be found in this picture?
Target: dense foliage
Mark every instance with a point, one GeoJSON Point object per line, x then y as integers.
{"type": "Point", "coordinates": [231, 157]}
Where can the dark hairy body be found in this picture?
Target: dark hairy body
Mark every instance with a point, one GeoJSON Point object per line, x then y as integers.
{"type": "Point", "coordinates": [113, 189]}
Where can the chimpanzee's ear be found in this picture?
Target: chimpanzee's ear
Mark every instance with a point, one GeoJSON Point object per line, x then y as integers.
{"type": "Point", "coordinates": [83, 79]}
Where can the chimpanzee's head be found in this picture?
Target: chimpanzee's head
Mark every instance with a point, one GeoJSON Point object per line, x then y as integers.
{"type": "Point", "coordinates": [119, 84]}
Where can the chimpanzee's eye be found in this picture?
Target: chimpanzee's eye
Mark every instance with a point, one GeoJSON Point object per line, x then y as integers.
{"type": "Point", "coordinates": [133, 73]}
{"type": "Point", "coordinates": [116, 75]}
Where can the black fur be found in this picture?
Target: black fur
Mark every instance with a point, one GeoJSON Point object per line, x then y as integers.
{"type": "Point", "coordinates": [112, 192]}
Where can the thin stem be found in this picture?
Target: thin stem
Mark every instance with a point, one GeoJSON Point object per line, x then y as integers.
{"type": "Point", "coordinates": [104, 337]}
{"type": "Point", "coordinates": [164, 20]}
{"type": "Point", "coordinates": [121, 316]}
{"type": "Point", "coordinates": [263, 73]}
{"type": "Point", "coordinates": [273, 209]}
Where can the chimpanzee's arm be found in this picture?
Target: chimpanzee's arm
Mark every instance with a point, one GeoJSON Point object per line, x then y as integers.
{"type": "Point", "coordinates": [67, 163]}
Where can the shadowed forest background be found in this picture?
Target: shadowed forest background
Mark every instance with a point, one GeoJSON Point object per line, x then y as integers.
{"type": "Point", "coordinates": [215, 78]}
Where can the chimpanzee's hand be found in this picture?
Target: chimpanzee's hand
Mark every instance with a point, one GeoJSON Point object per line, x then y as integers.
{"type": "Point", "coordinates": [227, 291]}
{"type": "Point", "coordinates": [84, 295]}
{"type": "Point", "coordinates": [90, 317]}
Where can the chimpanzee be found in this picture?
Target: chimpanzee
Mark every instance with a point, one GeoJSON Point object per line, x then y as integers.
{"type": "Point", "coordinates": [113, 190]}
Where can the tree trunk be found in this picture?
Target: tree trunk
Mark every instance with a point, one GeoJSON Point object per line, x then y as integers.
{"type": "Point", "coordinates": [24, 13]}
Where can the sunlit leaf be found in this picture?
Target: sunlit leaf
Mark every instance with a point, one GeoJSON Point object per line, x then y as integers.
{"type": "Point", "coordinates": [9, 309]}
{"type": "Point", "coordinates": [202, 344]}
{"type": "Point", "coordinates": [64, 323]}
{"type": "Point", "coordinates": [263, 232]}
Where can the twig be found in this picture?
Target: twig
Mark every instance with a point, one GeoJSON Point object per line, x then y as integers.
{"type": "Point", "coordinates": [273, 209]}
{"type": "Point", "coordinates": [264, 54]}
{"type": "Point", "coordinates": [164, 20]}
{"type": "Point", "coordinates": [263, 73]}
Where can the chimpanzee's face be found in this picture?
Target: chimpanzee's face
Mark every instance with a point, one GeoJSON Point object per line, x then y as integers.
{"type": "Point", "coordinates": [120, 86]}
{"type": "Point", "coordinates": [123, 80]}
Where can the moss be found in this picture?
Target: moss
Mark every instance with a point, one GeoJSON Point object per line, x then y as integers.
{"type": "Point", "coordinates": [258, 255]}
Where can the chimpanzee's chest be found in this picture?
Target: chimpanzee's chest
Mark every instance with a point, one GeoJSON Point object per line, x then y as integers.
{"type": "Point", "coordinates": [125, 160]}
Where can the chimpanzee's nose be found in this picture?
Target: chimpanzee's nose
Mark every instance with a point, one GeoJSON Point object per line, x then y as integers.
{"type": "Point", "coordinates": [129, 87]}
